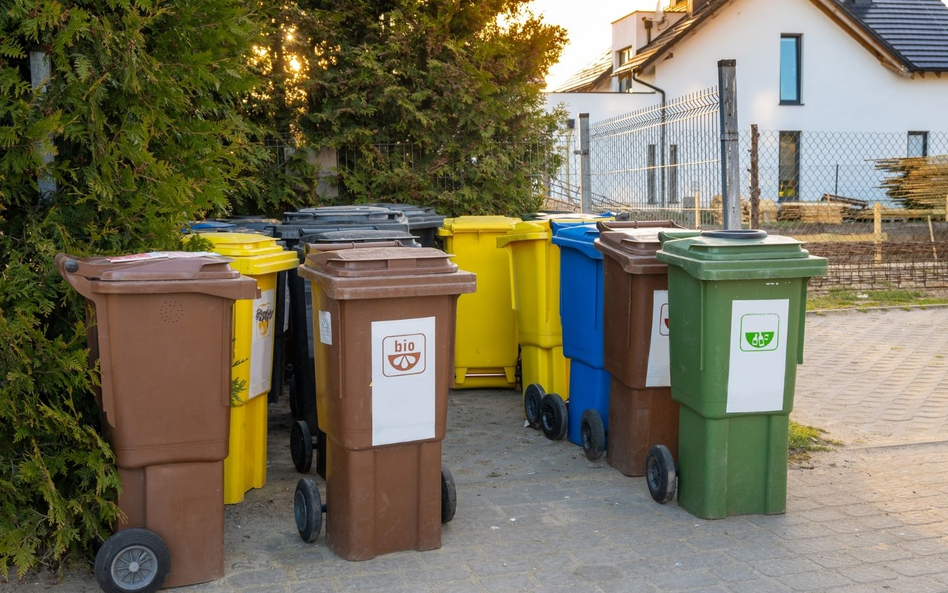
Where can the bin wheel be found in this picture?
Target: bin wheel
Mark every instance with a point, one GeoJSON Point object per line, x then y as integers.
{"type": "Point", "coordinates": [308, 509]}
{"type": "Point", "coordinates": [301, 446]}
{"type": "Point", "coordinates": [660, 474]}
{"type": "Point", "coordinates": [132, 561]}
{"type": "Point", "coordinates": [593, 435]}
{"type": "Point", "coordinates": [532, 400]}
{"type": "Point", "coordinates": [553, 415]}
{"type": "Point", "coordinates": [449, 495]}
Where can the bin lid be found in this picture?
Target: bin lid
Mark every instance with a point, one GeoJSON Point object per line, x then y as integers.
{"type": "Point", "coordinates": [208, 226]}
{"type": "Point", "coordinates": [634, 248]}
{"type": "Point", "coordinates": [386, 272]}
{"type": "Point", "coordinates": [361, 236]}
{"type": "Point", "coordinates": [252, 254]}
{"type": "Point", "coordinates": [161, 272]}
{"type": "Point", "coordinates": [477, 224]}
{"type": "Point", "coordinates": [345, 215]}
{"type": "Point", "coordinates": [738, 255]}
{"type": "Point", "coordinates": [419, 217]}
{"type": "Point", "coordinates": [544, 228]}
{"type": "Point", "coordinates": [580, 237]}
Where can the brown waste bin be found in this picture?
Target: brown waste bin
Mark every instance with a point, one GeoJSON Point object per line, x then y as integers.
{"type": "Point", "coordinates": [162, 337]}
{"type": "Point", "coordinates": [383, 327]}
{"type": "Point", "coordinates": [641, 410]}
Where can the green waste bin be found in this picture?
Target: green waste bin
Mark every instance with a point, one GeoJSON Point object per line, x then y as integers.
{"type": "Point", "coordinates": [737, 308]}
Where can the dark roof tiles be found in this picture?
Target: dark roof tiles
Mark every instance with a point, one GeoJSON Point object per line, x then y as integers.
{"type": "Point", "coordinates": [915, 30]}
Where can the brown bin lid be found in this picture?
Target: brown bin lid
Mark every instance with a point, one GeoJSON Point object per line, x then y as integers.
{"type": "Point", "coordinates": [382, 261]}
{"type": "Point", "coordinates": [634, 248]}
{"type": "Point", "coordinates": [189, 272]}
{"type": "Point", "coordinates": [386, 272]}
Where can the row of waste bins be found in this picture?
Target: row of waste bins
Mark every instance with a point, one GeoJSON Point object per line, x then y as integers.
{"type": "Point", "coordinates": [371, 313]}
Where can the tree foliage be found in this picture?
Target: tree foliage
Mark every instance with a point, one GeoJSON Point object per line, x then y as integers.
{"type": "Point", "coordinates": [436, 102]}
{"type": "Point", "coordinates": [144, 113]}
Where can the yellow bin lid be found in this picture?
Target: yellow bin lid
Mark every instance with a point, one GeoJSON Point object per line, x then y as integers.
{"type": "Point", "coordinates": [477, 224]}
{"type": "Point", "coordinates": [253, 254]}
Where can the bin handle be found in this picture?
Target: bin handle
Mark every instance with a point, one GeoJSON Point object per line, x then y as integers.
{"type": "Point", "coordinates": [510, 271]}
{"type": "Point", "coordinates": [802, 322]}
{"type": "Point", "coordinates": [611, 225]}
{"type": "Point", "coordinates": [74, 271]}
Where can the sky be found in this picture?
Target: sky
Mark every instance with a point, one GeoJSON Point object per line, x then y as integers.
{"type": "Point", "coordinates": [589, 25]}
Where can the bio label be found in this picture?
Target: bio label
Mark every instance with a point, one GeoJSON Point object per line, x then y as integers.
{"type": "Point", "coordinates": [403, 380]}
{"type": "Point", "coordinates": [657, 374]}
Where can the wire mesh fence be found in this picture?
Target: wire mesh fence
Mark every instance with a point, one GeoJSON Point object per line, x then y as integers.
{"type": "Point", "coordinates": [874, 203]}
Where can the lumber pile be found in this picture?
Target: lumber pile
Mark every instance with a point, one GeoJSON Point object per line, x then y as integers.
{"type": "Point", "coordinates": [812, 212]}
{"type": "Point", "coordinates": [916, 182]}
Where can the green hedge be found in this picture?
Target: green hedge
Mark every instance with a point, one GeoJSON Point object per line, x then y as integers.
{"type": "Point", "coordinates": [144, 111]}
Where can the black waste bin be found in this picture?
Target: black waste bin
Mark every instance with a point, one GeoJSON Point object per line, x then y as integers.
{"type": "Point", "coordinates": [423, 221]}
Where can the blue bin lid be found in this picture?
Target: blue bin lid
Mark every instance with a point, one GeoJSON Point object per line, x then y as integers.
{"type": "Point", "coordinates": [209, 226]}
{"type": "Point", "coordinates": [580, 237]}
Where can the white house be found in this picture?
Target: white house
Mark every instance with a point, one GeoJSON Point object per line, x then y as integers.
{"type": "Point", "coordinates": [810, 72]}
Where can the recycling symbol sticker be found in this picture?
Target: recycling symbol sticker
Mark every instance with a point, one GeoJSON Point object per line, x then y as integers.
{"type": "Point", "coordinates": [759, 332]}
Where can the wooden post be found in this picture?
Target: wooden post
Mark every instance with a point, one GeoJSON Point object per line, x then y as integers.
{"type": "Point", "coordinates": [877, 231]}
{"type": "Point", "coordinates": [697, 209]}
{"type": "Point", "coordinates": [755, 178]}
{"type": "Point", "coordinates": [730, 148]}
{"type": "Point", "coordinates": [584, 171]}
{"type": "Point", "coordinates": [931, 235]}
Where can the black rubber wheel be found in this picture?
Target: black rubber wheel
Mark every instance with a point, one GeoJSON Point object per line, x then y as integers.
{"type": "Point", "coordinates": [553, 416]}
{"type": "Point", "coordinates": [449, 495]}
{"type": "Point", "coordinates": [593, 435]}
{"type": "Point", "coordinates": [301, 446]}
{"type": "Point", "coordinates": [660, 474]}
{"type": "Point", "coordinates": [308, 509]}
{"type": "Point", "coordinates": [132, 561]}
{"type": "Point", "coordinates": [532, 399]}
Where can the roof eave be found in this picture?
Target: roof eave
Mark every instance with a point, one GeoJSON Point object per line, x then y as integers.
{"type": "Point", "coordinates": [887, 56]}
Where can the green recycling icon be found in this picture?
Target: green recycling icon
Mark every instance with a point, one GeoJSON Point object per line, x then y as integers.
{"type": "Point", "coordinates": [759, 332]}
{"type": "Point", "coordinates": [759, 339]}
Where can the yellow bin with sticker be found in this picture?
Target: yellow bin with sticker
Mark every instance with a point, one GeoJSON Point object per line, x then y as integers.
{"type": "Point", "coordinates": [534, 264]}
{"type": "Point", "coordinates": [485, 349]}
{"type": "Point", "coordinates": [259, 257]}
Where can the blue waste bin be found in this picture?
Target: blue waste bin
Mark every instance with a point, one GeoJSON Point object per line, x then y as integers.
{"type": "Point", "coordinates": [581, 306]}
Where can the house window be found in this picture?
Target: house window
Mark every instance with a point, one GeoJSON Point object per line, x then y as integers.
{"type": "Point", "coordinates": [789, 166]}
{"type": "Point", "coordinates": [625, 83]}
{"type": "Point", "coordinates": [917, 144]}
{"type": "Point", "coordinates": [673, 174]}
{"type": "Point", "coordinates": [791, 68]}
{"type": "Point", "coordinates": [625, 55]}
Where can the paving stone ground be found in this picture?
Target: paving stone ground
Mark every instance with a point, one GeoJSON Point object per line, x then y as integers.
{"type": "Point", "coordinates": [534, 515]}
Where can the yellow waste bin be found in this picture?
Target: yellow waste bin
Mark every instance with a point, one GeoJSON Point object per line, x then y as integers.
{"type": "Point", "coordinates": [485, 353]}
{"type": "Point", "coordinates": [260, 257]}
{"type": "Point", "coordinates": [535, 286]}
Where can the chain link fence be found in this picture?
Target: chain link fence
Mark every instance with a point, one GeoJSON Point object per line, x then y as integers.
{"type": "Point", "coordinates": [874, 203]}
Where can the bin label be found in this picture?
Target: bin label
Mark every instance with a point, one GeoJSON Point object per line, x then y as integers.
{"type": "Point", "coordinates": [403, 380]}
{"type": "Point", "coordinates": [261, 343]}
{"type": "Point", "coordinates": [325, 328]}
{"type": "Point", "coordinates": [758, 361]}
{"type": "Point", "coordinates": [657, 374]}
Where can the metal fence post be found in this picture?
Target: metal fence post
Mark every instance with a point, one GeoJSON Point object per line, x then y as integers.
{"type": "Point", "coordinates": [730, 157]}
{"type": "Point", "coordinates": [755, 178]}
{"type": "Point", "coordinates": [584, 170]}
{"type": "Point", "coordinates": [40, 73]}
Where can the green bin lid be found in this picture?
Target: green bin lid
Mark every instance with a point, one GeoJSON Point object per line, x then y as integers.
{"type": "Point", "coordinates": [740, 255]}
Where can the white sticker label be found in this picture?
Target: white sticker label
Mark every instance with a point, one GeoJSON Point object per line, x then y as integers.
{"type": "Point", "coordinates": [261, 344]}
{"type": "Point", "coordinates": [758, 361]}
{"type": "Point", "coordinates": [657, 374]}
{"type": "Point", "coordinates": [403, 380]}
{"type": "Point", "coordinates": [325, 328]}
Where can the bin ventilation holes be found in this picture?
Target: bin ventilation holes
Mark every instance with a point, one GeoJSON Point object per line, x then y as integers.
{"type": "Point", "coordinates": [171, 311]}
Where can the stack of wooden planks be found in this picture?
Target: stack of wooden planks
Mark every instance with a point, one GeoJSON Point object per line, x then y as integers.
{"type": "Point", "coordinates": [812, 212]}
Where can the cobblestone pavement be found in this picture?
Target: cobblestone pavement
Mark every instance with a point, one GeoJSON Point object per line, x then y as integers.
{"type": "Point", "coordinates": [535, 515]}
